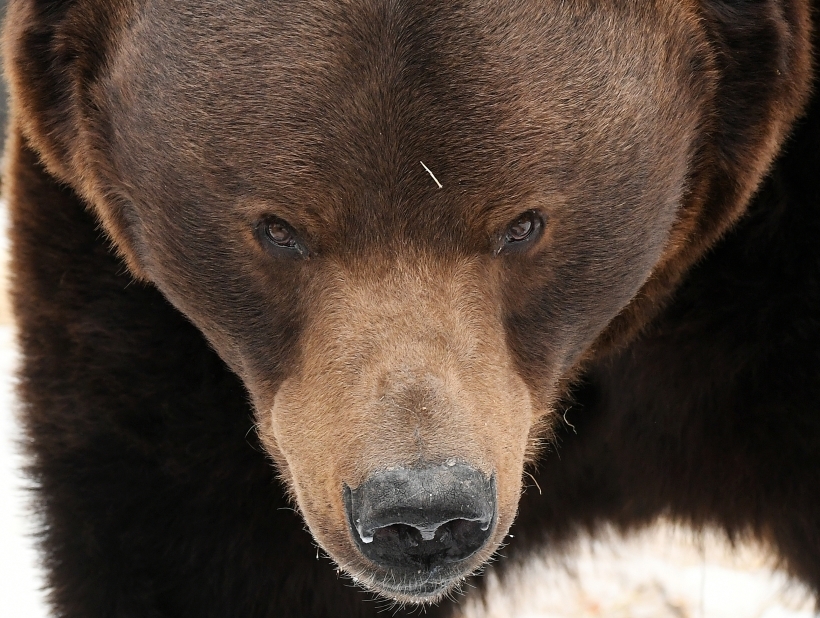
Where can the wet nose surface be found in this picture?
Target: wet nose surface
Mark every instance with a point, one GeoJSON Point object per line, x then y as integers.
{"type": "Point", "coordinates": [411, 518]}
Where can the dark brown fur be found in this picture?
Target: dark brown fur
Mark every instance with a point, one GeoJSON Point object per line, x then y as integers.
{"type": "Point", "coordinates": [640, 130]}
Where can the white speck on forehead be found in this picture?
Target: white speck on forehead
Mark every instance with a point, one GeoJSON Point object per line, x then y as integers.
{"type": "Point", "coordinates": [440, 186]}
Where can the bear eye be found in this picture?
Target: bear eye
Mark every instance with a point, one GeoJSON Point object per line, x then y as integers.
{"type": "Point", "coordinates": [521, 232]}
{"type": "Point", "coordinates": [279, 238]}
{"type": "Point", "coordinates": [279, 235]}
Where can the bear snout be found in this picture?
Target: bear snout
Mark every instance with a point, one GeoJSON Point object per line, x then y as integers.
{"type": "Point", "coordinates": [423, 522]}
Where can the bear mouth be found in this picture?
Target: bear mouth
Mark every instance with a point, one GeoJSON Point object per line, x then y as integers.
{"type": "Point", "coordinates": [420, 588]}
{"type": "Point", "coordinates": [425, 584]}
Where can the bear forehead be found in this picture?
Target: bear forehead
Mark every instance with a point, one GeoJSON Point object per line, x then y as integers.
{"type": "Point", "coordinates": [304, 105]}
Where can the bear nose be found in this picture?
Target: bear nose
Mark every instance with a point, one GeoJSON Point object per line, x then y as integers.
{"type": "Point", "coordinates": [414, 518]}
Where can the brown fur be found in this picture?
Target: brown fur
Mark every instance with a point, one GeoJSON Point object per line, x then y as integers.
{"type": "Point", "coordinates": [404, 338]}
{"type": "Point", "coordinates": [397, 367]}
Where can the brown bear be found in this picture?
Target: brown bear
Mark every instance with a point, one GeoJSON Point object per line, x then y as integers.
{"type": "Point", "coordinates": [366, 265]}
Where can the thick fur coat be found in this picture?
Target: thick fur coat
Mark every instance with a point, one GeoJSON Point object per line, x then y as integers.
{"type": "Point", "coordinates": [238, 291]}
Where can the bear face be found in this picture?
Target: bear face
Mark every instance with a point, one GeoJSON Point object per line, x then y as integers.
{"type": "Point", "coordinates": [263, 168]}
{"type": "Point", "coordinates": [404, 326]}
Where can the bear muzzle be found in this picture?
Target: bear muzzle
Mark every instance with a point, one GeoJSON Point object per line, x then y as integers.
{"type": "Point", "coordinates": [422, 524]}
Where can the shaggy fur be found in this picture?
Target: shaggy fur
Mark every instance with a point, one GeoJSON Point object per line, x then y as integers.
{"type": "Point", "coordinates": [674, 284]}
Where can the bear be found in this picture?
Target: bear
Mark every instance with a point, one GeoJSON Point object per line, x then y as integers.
{"type": "Point", "coordinates": [305, 291]}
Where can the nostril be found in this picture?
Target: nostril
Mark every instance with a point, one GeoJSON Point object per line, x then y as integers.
{"type": "Point", "coordinates": [400, 545]}
{"type": "Point", "coordinates": [422, 517]}
{"type": "Point", "coordinates": [427, 531]}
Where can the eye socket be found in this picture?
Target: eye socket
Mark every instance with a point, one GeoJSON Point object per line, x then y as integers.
{"type": "Point", "coordinates": [521, 232]}
{"type": "Point", "coordinates": [278, 237]}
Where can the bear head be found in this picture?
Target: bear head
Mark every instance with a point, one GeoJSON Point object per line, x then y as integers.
{"type": "Point", "coordinates": [407, 226]}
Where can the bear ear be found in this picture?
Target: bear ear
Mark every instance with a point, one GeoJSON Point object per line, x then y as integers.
{"type": "Point", "coordinates": [763, 56]}
{"type": "Point", "coordinates": [55, 52]}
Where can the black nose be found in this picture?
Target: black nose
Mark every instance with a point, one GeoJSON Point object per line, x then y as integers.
{"type": "Point", "coordinates": [413, 518]}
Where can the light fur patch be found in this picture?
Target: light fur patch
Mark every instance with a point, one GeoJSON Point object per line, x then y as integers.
{"type": "Point", "coordinates": [400, 365]}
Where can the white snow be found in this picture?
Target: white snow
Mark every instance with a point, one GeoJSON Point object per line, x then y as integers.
{"type": "Point", "coordinates": [20, 577]}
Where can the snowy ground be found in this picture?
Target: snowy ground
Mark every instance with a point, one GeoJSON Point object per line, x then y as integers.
{"type": "Point", "coordinates": [663, 572]}
{"type": "Point", "coordinates": [20, 578]}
